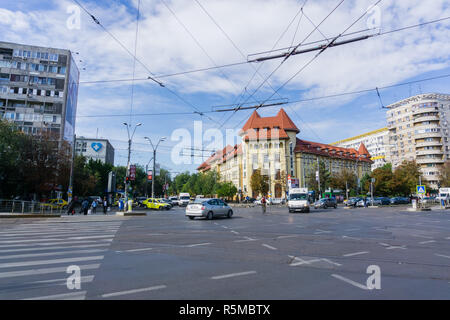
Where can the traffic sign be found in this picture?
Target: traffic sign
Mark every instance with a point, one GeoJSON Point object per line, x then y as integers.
{"type": "Point", "coordinates": [421, 189]}
{"type": "Point", "coordinates": [132, 172]}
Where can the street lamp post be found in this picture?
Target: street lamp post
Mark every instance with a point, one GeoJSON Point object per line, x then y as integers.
{"type": "Point", "coordinates": [146, 180]}
{"type": "Point", "coordinates": [130, 139]}
{"type": "Point", "coordinates": [154, 161]}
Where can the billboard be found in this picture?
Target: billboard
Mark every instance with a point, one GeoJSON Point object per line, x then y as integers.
{"type": "Point", "coordinates": [71, 101]}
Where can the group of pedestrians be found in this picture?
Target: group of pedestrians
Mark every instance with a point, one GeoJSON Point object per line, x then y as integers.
{"type": "Point", "coordinates": [93, 206]}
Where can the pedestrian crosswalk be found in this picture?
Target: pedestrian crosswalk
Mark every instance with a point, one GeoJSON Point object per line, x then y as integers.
{"type": "Point", "coordinates": [35, 256]}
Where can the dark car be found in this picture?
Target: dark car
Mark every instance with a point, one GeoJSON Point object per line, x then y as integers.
{"type": "Point", "coordinates": [400, 200]}
{"type": "Point", "coordinates": [325, 203]}
{"type": "Point", "coordinates": [168, 201]}
{"type": "Point", "coordinates": [385, 201]}
{"type": "Point", "coordinates": [250, 200]}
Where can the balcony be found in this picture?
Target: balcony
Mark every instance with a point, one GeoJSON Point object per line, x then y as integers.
{"type": "Point", "coordinates": [429, 160]}
{"type": "Point", "coordinates": [434, 143]}
{"type": "Point", "coordinates": [427, 152]}
{"type": "Point", "coordinates": [426, 118]}
{"type": "Point", "coordinates": [425, 110]}
{"type": "Point", "coordinates": [428, 135]}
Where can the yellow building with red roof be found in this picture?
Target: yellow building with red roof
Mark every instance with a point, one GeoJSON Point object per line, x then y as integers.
{"type": "Point", "coordinates": [271, 145]}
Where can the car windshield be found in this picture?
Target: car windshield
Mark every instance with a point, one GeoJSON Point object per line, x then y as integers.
{"type": "Point", "coordinates": [298, 196]}
{"type": "Point", "coordinates": [184, 198]}
{"type": "Point", "coordinates": [201, 201]}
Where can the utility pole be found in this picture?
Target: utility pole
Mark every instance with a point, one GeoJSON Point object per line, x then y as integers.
{"type": "Point", "coordinates": [130, 138]}
{"type": "Point", "coordinates": [346, 190]}
{"type": "Point", "coordinates": [146, 179]}
{"type": "Point", "coordinates": [318, 176]}
{"type": "Point", "coordinates": [72, 166]}
{"type": "Point", "coordinates": [154, 161]}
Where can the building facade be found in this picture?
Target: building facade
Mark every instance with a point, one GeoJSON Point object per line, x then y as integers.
{"type": "Point", "coordinates": [96, 149]}
{"type": "Point", "coordinates": [376, 143]}
{"type": "Point", "coordinates": [270, 144]}
{"type": "Point", "coordinates": [419, 130]}
{"type": "Point", "coordinates": [39, 89]}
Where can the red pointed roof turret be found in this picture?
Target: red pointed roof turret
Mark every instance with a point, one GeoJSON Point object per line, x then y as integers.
{"type": "Point", "coordinates": [363, 150]}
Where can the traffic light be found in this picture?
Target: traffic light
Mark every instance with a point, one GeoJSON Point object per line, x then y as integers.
{"type": "Point", "coordinates": [127, 179]}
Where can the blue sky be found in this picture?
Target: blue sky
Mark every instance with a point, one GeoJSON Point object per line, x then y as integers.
{"type": "Point", "coordinates": [165, 47]}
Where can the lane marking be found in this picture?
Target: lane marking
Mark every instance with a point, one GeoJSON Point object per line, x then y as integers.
{"type": "Point", "coordinates": [269, 247]}
{"type": "Point", "coordinates": [43, 262]}
{"type": "Point", "coordinates": [235, 232]}
{"type": "Point", "coordinates": [46, 254]}
{"type": "Point", "coordinates": [51, 244]}
{"type": "Point", "coordinates": [355, 229]}
{"type": "Point", "coordinates": [84, 279]}
{"type": "Point", "coordinates": [247, 239]}
{"type": "Point", "coordinates": [90, 237]}
{"type": "Point", "coordinates": [57, 247]}
{"type": "Point", "coordinates": [81, 295]}
{"type": "Point", "coordinates": [355, 254]}
{"type": "Point", "coordinates": [198, 244]}
{"type": "Point", "coordinates": [441, 255]}
{"type": "Point", "coordinates": [353, 283]}
{"type": "Point", "coordinates": [286, 237]}
{"type": "Point", "coordinates": [425, 242]}
{"type": "Point", "coordinates": [299, 261]}
{"type": "Point", "coordinates": [137, 250]}
{"type": "Point", "coordinates": [396, 247]}
{"type": "Point", "coordinates": [353, 238]}
{"type": "Point", "coordinates": [121, 293]}
{"type": "Point", "coordinates": [224, 276]}
{"type": "Point", "coordinates": [33, 272]}
{"type": "Point", "coordinates": [322, 231]}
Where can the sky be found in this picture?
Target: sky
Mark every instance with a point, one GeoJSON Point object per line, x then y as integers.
{"type": "Point", "coordinates": [180, 35]}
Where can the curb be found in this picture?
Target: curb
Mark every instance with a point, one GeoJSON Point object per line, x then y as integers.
{"type": "Point", "coordinates": [131, 214]}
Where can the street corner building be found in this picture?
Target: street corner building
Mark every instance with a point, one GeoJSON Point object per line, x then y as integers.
{"type": "Point", "coordinates": [95, 149]}
{"type": "Point", "coordinates": [270, 144]}
{"type": "Point", "coordinates": [39, 89]}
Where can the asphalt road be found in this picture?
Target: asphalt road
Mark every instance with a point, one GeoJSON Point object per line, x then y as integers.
{"type": "Point", "coordinates": [321, 255]}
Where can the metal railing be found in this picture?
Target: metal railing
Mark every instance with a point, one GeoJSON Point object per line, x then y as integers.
{"type": "Point", "coordinates": [29, 207]}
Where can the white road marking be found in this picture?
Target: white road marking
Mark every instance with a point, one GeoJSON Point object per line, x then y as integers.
{"type": "Point", "coordinates": [224, 227]}
{"type": "Point", "coordinates": [269, 247]}
{"type": "Point", "coordinates": [353, 283]}
{"type": "Point", "coordinates": [51, 244]}
{"type": "Point", "coordinates": [90, 237]}
{"type": "Point", "coordinates": [198, 244]}
{"type": "Point", "coordinates": [29, 240]}
{"type": "Point", "coordinates": [43, 262]}
{"type": "Point", "coordinates": [441, 255]}
{"type": "Point", "coordinates": [384, 244]}
{"type": "Point", "coordinates": [355, 229]}
{"type": "Point", "coordinates": [396, 247]}
{"type": "Point", "coordinates": [322, 231]}
{"type": "Point", "coordinates": [224, 276]}
{"type": "Point", "coordinates": [80, 295]}
{"type": "Point", "coordinates": [247, 239]}
{"type": "Point", "coordinates": [63, 281]}
{"type": "Point", "coordinates": [420, 236]}
{"type": "Point", "coordinates": [298, 261]}
{"type": "Point", "coordinates": [286, 237]}
{"type": "Point", "coordinates": [425, 242]}
{"type": "Point", "coordinates": [121, 293]}
{"type": "Point", "coordinates": [34, 272]}
{"type": "Point", "coordinates": [137, 250]}
{"type": "Point", "coordinates": [46, 254]}
{"type": "Point", "coordinates": [355, 254]}
{"type": "Point", "coordinates": [57, 247]}
{"type": "Point", "coordinates": [353, 238]}
{"type": "Point", "coordinates": [235, 232]}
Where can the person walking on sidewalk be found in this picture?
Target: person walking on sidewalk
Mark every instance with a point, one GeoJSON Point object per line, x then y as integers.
{"type": "Point", "coordinates": [105, 205]}
{"type": "Point", "coordinates": [85, 206]}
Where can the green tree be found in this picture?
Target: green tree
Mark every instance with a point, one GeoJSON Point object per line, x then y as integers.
{"type": "Point", "coordinates": [259, 183]}
{"type": "Point", "coordinates": [227, 190]}
{"type": "Point", "coordinates": [384, 178]}
{"type": "Point", "coordinates": [344, 179]}
{"type": "Point", "coordinates": [405, 178]}
{"type": "Point", "coordinates": [444, 175]}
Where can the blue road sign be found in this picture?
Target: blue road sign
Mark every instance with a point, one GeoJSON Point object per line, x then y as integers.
{"type": "Point", "coordinates": [421, 189]}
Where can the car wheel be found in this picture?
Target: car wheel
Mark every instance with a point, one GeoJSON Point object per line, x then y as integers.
{"type": "Point", "coordinates": [335, 206]}
{"type": "Point", "coordinates": [161, 208]}
{"type": "Point", "coordinates": [191, 218]}
{"type": "Point", "coordinates": [209, 216]}
{"type": "Point", "coordinates": [230, 214]}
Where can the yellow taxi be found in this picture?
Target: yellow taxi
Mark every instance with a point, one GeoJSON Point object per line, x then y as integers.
{"type": "Point", "coordinates": [56, 204]}
{"type": "Point", "coordinates": [156, 204]}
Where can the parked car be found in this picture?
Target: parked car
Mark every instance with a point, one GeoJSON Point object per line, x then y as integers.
{"type": "Point", "coordinates": [208, 208]}
{"type": "Point", "coordinates": [156, 204]}
{"type": "Point", "coordinates": [385, 201]}
{"type": "Point", "coordinates": [375, 202]}
{"type": "Point", "coordinates": [56, 204]}
{"type": "Point", "coordinates": [399, 200]}
{"type": "Point", "coordinates": [429, 200]}
{"type": "Point", "coordinates": [325, 203]}
{"type": "Point", "coordinates": [168, 201]}
{"type": "Point", "coordinates": [278, 201]}
{"type": "Point", "coordinates": [353, 201]}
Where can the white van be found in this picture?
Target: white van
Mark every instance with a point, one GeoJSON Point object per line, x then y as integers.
{"type": "Point", "coordinates": [299, 200]}
{"type": "Point", "coordinates": [184, 199]}
{"type": "Point", "coordinates": [444, 194]}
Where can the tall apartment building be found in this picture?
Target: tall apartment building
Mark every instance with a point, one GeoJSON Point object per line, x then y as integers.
{"type": "Point", "coordinates": [39, 89]}
{"type": "Point", "coordinates": [96, 149]}
{"type": "Point", "coordinates": [376, 142]}
{"type": "Point", "coordinates": [419, 130]}
{"type": "Point", "coordinates": [271, 145]}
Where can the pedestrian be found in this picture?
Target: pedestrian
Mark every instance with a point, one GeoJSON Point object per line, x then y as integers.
{"type": "Point", "coordinates": [94, 206]}
{"type": "Point", "coordinates": [263, 204]}
{"type": "Point", "coordinates": [121, 204]}
{"type": "Point", "coordinates": [105, 205]}
{"type": "Point", "coordinates": [365, 202]}
{"type": "Point", "coordinates": [85, 206]}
